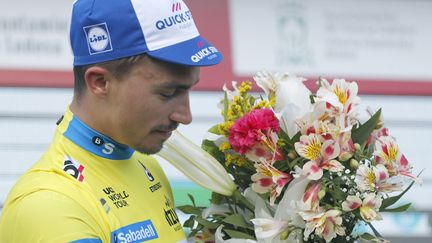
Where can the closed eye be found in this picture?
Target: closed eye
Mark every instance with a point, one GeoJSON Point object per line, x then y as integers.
{"type": "Point", "coordinates": [167, 93]}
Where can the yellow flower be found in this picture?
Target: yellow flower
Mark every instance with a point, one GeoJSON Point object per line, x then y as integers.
{"type": "Point", "coordinates": [225, 127]}
{"type": "Point", "coordinates": [245, 87]}
{"type": "Point", "coordinates": [224, 146]}
{"type": "Point", "coordinates": [273, 101]}
{"type": "Point", "coordinates": [261, 104]}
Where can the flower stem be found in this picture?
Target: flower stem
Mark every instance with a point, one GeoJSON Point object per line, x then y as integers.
{"type": "Point", "coordinates": [240, 198]}
{"type": "Point", "coordinates": [377, 234]}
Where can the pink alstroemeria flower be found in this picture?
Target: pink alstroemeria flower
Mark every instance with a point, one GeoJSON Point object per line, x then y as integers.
{"type": "Point", "coordinates": [387, 152]}
{"type": "Point", "coordinates": [383, 131]}
{"type": "Point", "coordinates": [325, 224]}
{"type": "Point", "coordinates": [269, 179]}
{"type": "Point", "coordinates": [265, 149]}
{"type": "Point", "coordinates": [347, 148]}
{"type": "Point", "coordinates": [320, 155]}
{"type": "Point", "coordinates": [346, 93]}
{"type": "Point", "coordinates": [369, 207]}
{"type": "Point", "coordinates": [310, 198]}
{"type": "Point", "coordinates": [376, 178]}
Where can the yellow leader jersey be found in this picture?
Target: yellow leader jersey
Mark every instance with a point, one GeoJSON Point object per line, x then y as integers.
{"type": "Point", "coordinates": [88, 188]}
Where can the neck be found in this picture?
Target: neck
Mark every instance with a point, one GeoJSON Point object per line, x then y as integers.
{"type": "Point", "coordinates": [92, 140]}
{"type": "Point", "coordinates": [93, 117]}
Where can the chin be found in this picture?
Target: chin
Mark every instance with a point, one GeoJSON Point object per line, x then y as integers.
{"type": "Point", "coordinates": [149, 150]}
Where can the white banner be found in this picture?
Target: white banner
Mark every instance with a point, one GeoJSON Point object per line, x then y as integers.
{"type": "Point", "coordinates": [365, 39]}
{"type": "Point", "coordinates": [35, 34]}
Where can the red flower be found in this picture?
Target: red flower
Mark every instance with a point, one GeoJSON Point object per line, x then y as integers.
{"type": "Point", "coordinates": [250, 128]}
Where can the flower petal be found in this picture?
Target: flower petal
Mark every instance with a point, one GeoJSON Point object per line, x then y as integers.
{"type": "Point", "coordinates": [312, 171]}
{"type": "Point", "coordinates": [351, 203]}
{"type": "Point", "coordinates": [197, 164]}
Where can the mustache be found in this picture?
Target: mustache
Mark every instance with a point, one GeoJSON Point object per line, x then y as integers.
{"type": "Point", "coordinates": [170, 127]}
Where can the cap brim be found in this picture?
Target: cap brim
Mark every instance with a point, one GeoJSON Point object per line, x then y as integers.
{"type": "Point", "coordinates": [194, 52]}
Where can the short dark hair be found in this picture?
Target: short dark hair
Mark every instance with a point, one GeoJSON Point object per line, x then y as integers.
{"type": "Point", "coordinates": [119, 68]}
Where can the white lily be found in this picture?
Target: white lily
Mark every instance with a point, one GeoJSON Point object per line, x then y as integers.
{"type": "Point", "coordinates": [292, 97]}
{"type": "Point", "coordinates": [219, 239]}
{"type": "Point", "coordinates": [197, 164]}
{"type": "Point", "coordinates": [268, 228]}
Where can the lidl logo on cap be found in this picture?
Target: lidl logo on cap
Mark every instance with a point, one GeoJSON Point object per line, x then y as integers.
{"type": "Point", "coordinates": [98, 38]}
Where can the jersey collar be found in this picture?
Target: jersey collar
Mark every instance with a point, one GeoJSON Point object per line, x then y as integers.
{"type": "Point", "coordinates": [91, 140]}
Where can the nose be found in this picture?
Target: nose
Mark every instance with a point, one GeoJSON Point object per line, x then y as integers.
{"type": "Point", "coordinates": [182, 113]}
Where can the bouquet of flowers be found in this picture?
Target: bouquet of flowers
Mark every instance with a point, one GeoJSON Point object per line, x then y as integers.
{"type": "Point", "coordinates": [294, 166]}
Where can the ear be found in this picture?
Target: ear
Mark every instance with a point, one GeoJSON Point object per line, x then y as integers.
{"type": "Point", "coordinates": [97, 80]}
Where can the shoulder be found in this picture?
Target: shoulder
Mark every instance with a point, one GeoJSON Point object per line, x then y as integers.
{"type": "Point", "coordinates": [47, 216]}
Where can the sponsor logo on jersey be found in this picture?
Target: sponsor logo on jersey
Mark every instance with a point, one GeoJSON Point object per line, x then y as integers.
{"type": "Point", "coordinates": [119, 199]}
{"type": "Point", "coordinates": [105, 205]}
{"type": "Point", "coordinates": [155, 187]}
{"type": "Point", "coordinates": [108, 148]}
{"type": "Point", "coordinates": [134, 233]}
{"type": "Point", "coordinates": [74, 169]}
{"type": "Point", "coordinates": [147, 172]}
{"type": "Point", "coordinates": [98, 38]}
{"type": "Point", "coordinates": [177, 18]}
{"type": "Point", "coordinates": [151, 178]}
{"type": "Point", "coordinates": [170, 215]}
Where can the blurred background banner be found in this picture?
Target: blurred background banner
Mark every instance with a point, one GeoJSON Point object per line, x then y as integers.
{"type": "Point", "coordinates": [384, 45]}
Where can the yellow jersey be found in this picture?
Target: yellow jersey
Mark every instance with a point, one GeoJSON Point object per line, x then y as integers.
{"type": "Point", "coordinates": [87, 188]}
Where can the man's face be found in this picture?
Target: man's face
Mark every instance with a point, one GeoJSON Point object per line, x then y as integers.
{"type": "Point", "coordinates": [150, 102]}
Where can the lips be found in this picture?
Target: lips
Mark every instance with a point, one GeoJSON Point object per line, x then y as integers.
{"type": "Point", "coordinates": [166, 129]}
{"type": "Point", "coordinates": [164, 133]}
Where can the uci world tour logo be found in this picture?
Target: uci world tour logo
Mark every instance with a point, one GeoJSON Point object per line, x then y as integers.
{"type": "Point", "coordinates": [98, 38]}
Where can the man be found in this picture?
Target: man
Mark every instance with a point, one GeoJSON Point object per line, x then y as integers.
{"type": "Point", "coordinates": [134, 63]}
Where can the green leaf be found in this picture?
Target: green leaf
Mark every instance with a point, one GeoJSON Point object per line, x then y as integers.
{"type": "Point", "coordinates": [241, 199]}
{"type": "Point", "coordinates": [370, 238]}
{"type": "Point", "coordinates": [281, 165]}
{"type": "Point", "coordinates": [288, 140]}
{"type": "Point", "coordinates": [213, 150]}
{"type": "Point", "coordinates": [216, 198]}
{"type": "Point", "coordinates": [192, 199]}
{"type": "Point", "coordinates": [296, 138]}
{"type": "Point", "coordinates": [284, 136]}
{"type": "Point", "coordinates": [190, 222]}
{"type": "Point", "coordinates": [236, 220]}
{"type": "Point", "coordinates": [312, 98]}
{"type": "Point", "coordinates": [215, 130]}
{"type": "Point", "coordinates": [207, 224]}
{"type": "Point", "coordinates": [367, 236]}
{"type": "Point", "coordinates": [238, 234]}
{"type": "Point", "coordinates": [392, 200]}
{"type": "Point", "coordinates": [361, 134]}
{"type": "Point", "coordinates": [189, 209]}
{"type": "Point", "coordinates": [297, 161]}
{"type": "Point", "coordinates": [399, 209]}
